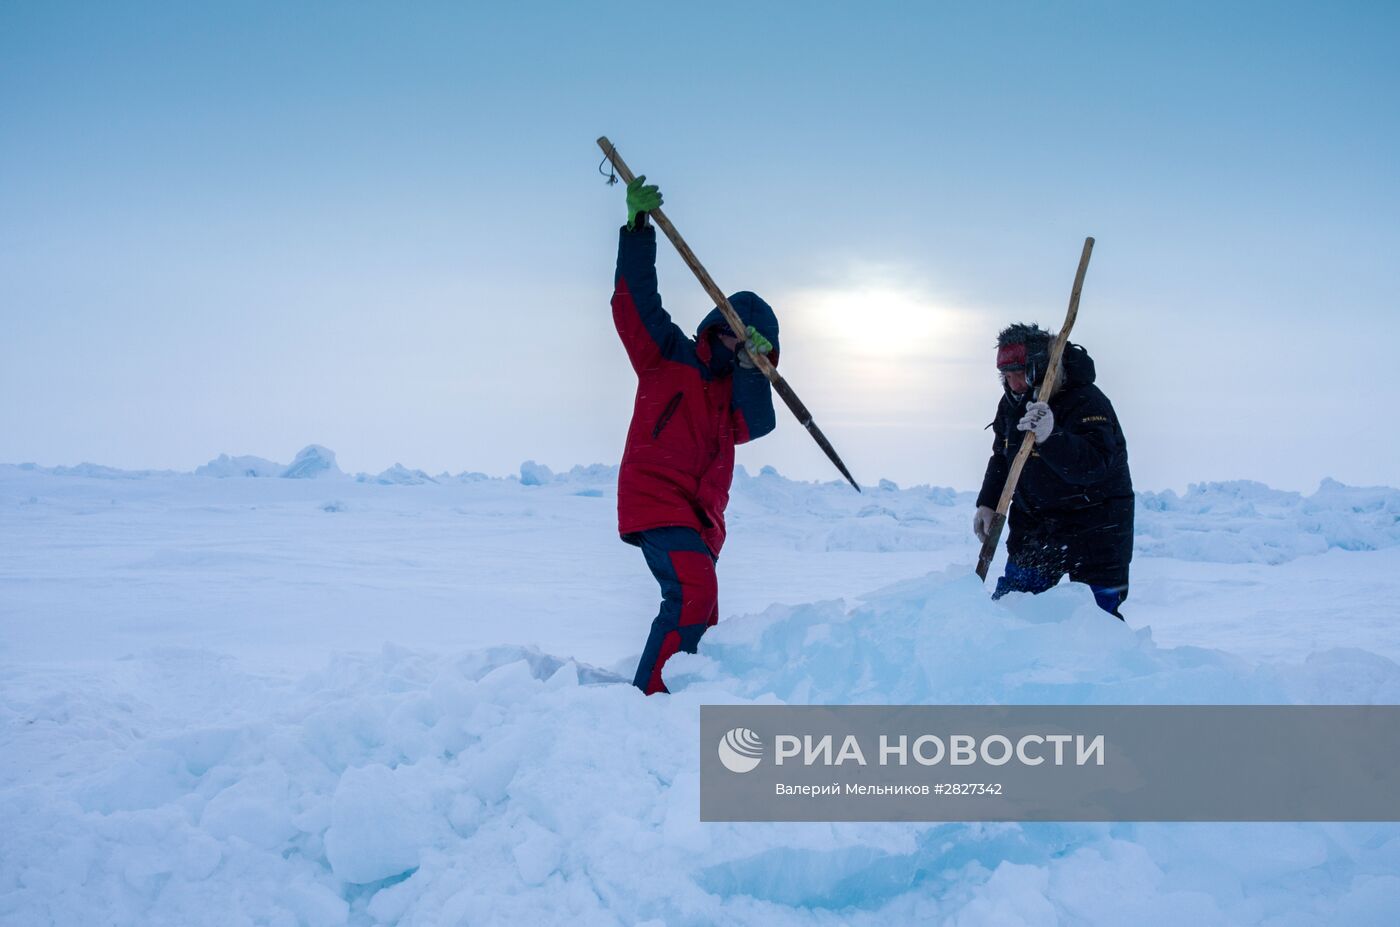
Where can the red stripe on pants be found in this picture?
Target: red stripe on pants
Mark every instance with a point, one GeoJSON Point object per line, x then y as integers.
{"type": "Point", "coordinates": [699, 610]}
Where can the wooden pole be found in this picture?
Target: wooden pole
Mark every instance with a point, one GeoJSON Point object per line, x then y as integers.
{"type": "Point", "coordinates": [736, 324]}
{"type": "Point", "coordinates": [1047, 389]}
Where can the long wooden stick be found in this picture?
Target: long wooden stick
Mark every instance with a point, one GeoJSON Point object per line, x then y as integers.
{"type": "Point", "coordinates": [1047, 389]}
{"type": "Point", "coordinates": [736, 324]}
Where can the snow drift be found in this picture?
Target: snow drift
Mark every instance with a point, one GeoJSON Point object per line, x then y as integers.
{"type": "Point", "coordinates": [497, 786]}
{"type": "Point", "coordinates": [146, 782]}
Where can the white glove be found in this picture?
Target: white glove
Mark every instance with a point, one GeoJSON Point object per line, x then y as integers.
{"type": "Point", "coordinates": [982, 523]}
{"type": "Point", "coordinates": [1038, 419]}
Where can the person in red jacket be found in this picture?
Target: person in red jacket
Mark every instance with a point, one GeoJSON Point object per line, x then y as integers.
{"type": "Point", "coordinates": [696, 399]}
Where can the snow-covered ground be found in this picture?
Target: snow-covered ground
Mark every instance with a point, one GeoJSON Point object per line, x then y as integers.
{"type": "Point", "coordinates": [238, 698]}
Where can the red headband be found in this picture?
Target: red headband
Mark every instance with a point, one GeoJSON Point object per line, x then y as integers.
{"type": "Point", "coordinates": [1011, 355]}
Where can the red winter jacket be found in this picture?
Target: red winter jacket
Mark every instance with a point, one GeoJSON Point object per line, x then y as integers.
{"type": "Point", "coordinates": [692, 407]}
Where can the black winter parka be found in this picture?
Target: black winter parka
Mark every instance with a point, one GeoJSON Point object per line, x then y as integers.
{"type": "Point", "coordinates": [1075, 496]}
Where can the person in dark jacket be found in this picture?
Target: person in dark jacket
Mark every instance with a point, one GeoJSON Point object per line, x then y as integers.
{"type": "Point", "coordinates": [696, 399]}
{"type": "Point", "coordinates": [1072, 511]}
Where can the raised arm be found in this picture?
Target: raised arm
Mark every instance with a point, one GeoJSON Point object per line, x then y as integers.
{"type": "Point", "coordinates": [645, 328]}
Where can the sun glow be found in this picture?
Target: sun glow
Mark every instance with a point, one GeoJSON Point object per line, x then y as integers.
{"type": "Point", "coordinates": [886, 353]}
{"type": "Point", "coordinates": [878, 321]}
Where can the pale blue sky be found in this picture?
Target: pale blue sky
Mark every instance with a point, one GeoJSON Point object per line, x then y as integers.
{"type": "Point", "coordinates": [246, 227]}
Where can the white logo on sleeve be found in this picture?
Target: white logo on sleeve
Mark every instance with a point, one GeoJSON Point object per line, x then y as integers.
{"type": "Point", "coordinates": [740, 750]}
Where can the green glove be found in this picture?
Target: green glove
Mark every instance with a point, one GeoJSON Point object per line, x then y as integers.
{"type": "Point", "coordinates": [640, 199]}
{"type": "Point", "coordinates": [760, 344]}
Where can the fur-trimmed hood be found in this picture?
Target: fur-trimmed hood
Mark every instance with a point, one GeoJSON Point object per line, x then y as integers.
{"type": "Point", "coordinates": [1076, 364]}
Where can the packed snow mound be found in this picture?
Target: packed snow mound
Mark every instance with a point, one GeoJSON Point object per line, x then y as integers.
{"type": "Point", "coordinates": [1247, 522]}
{"type": "Point", "coordinates": [1353, 517]}
{"type": "Point", "coordinates": [498, 787]}
{"type": "Point", "coordinates": [398, 475]}
{"type": "Point", "coordinates": [535, 474]}
{"type": "Point", "coordinates": [312, 462]}
{"type": "Point", "coordinates": [94, 471]}
{"type": "Point", "coordinates": [466, 476]}
{"type": "Point", "coordinates": [225, 466]}
{"type": "Point", "coordinates": [942, 640]}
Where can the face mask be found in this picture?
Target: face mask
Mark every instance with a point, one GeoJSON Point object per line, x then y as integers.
{"type": "Point", "coordinates": [721, 358]}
